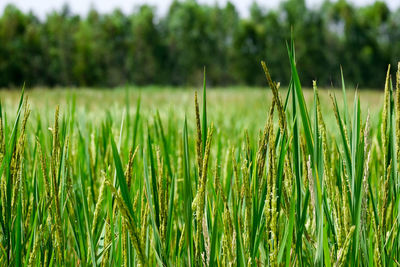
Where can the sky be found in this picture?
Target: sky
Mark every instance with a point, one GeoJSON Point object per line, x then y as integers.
{"type": "Point", "coordinates": [42, 7]}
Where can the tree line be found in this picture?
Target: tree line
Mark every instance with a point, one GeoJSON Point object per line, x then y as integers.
{"type": "Point", "coordinates": [141, 48]}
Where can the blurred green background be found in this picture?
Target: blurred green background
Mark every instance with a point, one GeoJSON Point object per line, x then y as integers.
{"type": "Point", "coordinates": [142, 48]}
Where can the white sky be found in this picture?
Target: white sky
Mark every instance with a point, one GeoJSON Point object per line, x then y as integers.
{"type": "Point", "coordinates": [42, 7]}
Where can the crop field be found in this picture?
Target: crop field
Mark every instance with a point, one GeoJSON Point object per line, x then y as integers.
{"type": "Point", "coordinates": [214, 177]}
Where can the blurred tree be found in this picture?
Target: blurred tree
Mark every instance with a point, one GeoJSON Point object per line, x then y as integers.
{"type": "Point", "coordinates": [145, 51]}
{"type": "Point", "coordinates": [115, 42]}
{"type": "Point", "coordinates": [141, 48]}
{"type": "Point", "coordinates": [392, 38]}
{"type": "Point", "coordinates": [187, 41]}
{"type": "Point", "coordinates": [250, 45]}
{"type": "Point", "coordinates": [58, 41]}
{"type": "Point", "coordinates": [220, 29]}
{"type": "Point", "coordinates": [13, 28]}
{"type": "Point", "coordinates": [89, 53]}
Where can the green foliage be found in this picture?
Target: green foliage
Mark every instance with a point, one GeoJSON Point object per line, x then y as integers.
{"type": "Point", "coordinates": [126, 190]}
{"type": "Point", "coordinates": [142, 48]}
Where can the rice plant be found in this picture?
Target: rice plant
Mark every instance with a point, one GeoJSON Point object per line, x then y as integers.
{"type": "Point", "coordinates": [77, 192]}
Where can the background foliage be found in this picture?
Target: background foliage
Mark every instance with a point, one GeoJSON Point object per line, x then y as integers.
{"type": "Point", "coordinates": [64, 49]}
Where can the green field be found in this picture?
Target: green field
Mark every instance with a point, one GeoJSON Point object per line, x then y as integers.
{"type": "Point", "coordinates": [136, 176]}
{"type": "Point", "coordinates": [229, 108]}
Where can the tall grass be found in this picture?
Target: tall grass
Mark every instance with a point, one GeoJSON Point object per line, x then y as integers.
{"type": "Point", "coordinates": [76, 192]}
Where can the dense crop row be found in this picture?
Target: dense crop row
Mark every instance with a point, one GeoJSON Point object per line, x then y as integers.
{"type": "Point", "coordinates": [95, 193]}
